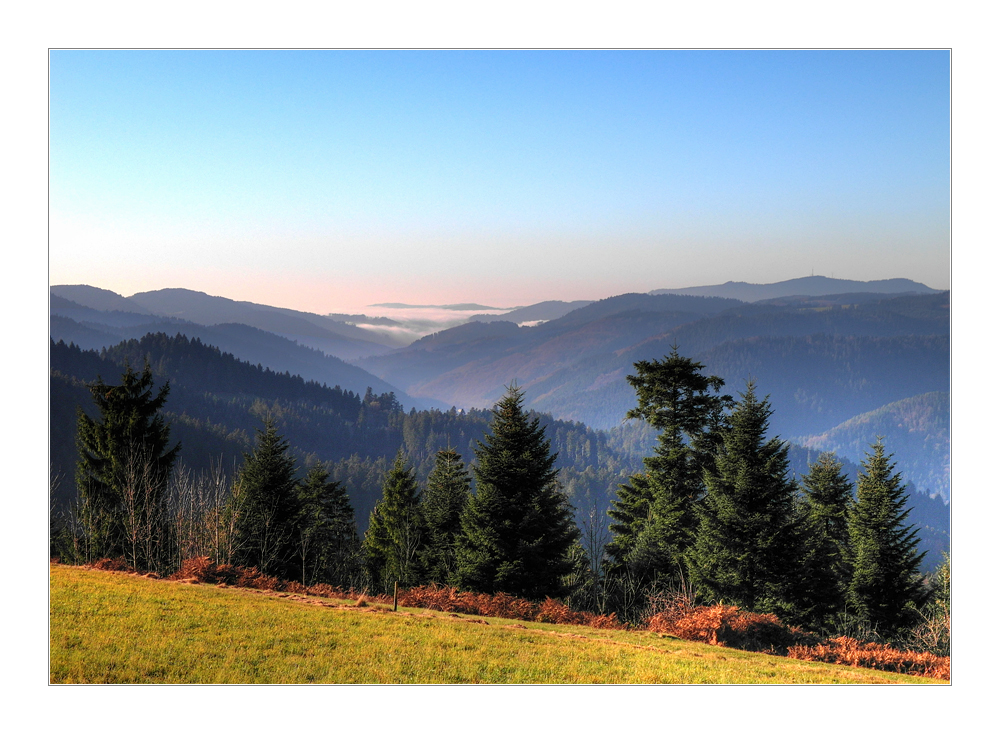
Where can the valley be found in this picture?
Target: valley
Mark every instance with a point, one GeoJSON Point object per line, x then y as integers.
{"type": "Point", "coordinates": [839, 369]}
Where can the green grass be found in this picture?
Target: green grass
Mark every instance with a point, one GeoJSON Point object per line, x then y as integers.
{"type": "Point", "coordinates": [115, 628]}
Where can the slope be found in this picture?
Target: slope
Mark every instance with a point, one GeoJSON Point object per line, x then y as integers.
{"type": "Point", "coordinates": [917, 431]}
{"type": "Point", "coordinates": [206, 634]}
{"type": "Point", "coordinates": [216, 402]}
{"type": "Point", "coordinates": [335, 338]}
{"type": "Point", "coordinates": [468, 365]}
{"type": "Point", "coordinates": [90, 329]}
{"type": "Point", "coordinates": [574, 367]}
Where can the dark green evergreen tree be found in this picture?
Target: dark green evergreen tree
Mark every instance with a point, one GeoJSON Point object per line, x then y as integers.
{"type": "Point", "coordinates": [444, 501]}
{"type": "Point", "coordinates": [327, 546]}
{"type": "Point", "coordinates": [123, 471]}
{"type": "Point", "coordinates": [885, 587]}
{"type": "Point", "coordinates": [654, 514]}
{"type": "Point", "coordinates": [518, 529]}
{"type": "Point", "coordinates": [264, 507]}
{"type": "Point", "coordinates": [396, 533]}
{"type": "Point", "coordinates": [827, 558]}
{"type": "Point", "coordinates": [748, 546]}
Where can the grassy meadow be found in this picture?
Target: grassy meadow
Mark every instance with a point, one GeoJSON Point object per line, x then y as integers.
{"type": "Point", "coordinates": [119, 628]}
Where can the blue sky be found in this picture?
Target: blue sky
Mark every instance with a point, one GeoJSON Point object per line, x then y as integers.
{"type": "Point", "coordinates": [329, 180]}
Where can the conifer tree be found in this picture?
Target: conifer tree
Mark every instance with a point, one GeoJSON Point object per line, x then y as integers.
{"type": "Point", "coordinates": [327, 544]}
{"type": "Point", "coordinates": [264, 506]}
{"type": "Point", "coordinates": [444, 501]}
{"type": "Point", "coordinates": [885, 587]}
{"type": "Point", "coordinates": [123, 471]}
{"type": "Point", "coordinates": [827, 558]}
{"type": "Point", "coordinates": [517, 529]}
{"type": "Point", "coordinates": [654, 514]}
{"type": "Point", "coordinates": [747, 550]}
{"type": "Point", "coordinates": [396, 532]}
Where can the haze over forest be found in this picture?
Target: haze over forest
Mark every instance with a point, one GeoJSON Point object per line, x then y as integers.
{"type": "Point", "coordinates": [839, 370]}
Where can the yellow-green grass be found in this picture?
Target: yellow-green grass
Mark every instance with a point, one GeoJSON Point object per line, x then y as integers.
{"type": "Point", "coordinates": [116, 628]}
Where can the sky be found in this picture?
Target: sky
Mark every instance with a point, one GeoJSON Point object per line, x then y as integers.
{"type": "Point", "coordinates": [329, 180]}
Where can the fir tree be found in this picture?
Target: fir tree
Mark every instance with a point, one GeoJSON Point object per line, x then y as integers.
{"type": "Point", "coordinates": [654, 514]}
{"type": "Point", "coordinates": [327, 544]}
{"type": "Point", "coordinates": [123, 471]}
{"type": "Point", "coordinates": [396, 533]}
{"type": "Point", "coordinates": [748, 545]}
{"type": "Point", "coordinates": [518, 529]}
{"type": "Point", "coordinates": [264, 506]}
{"type": "Point", "coordinates": [827, 558]}
{"type": "Point", "coordinates": [885, 587]}
{"type": "Point", "coordinates": [444, 501]}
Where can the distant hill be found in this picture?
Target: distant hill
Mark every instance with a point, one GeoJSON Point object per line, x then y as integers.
{"type": "Point", "coordinates": [574, 366]}
{"type": "Point", "coordinates": [814, 382]}
{"type": "Point", "coordinates": [98, 299]}
{"type": "Point", "coordinates": [337, 339]}
{"type": "Point", "coordinates": [469, 365]}
{"type": "Point", "coordinates": [916, 430]}
{"type": "Point", "coordinates": [92, 329]}
{"type": "Point", "coordinates": [813, 285]}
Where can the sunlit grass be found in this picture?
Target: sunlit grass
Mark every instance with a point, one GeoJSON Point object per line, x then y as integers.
{"type": "Point", "coordinates": [114, 628]}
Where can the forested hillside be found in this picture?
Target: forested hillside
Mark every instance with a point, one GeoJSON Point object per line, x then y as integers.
{"type": "Point", "coordinates": [822, 360]}
{"type": "Point", "coordinates": [917, 427]}
{"type": "Point", "coordinates": [92, 329]}
{"type": "Point", "coordinates": [574, 366]}
{"type": "Point", "coordinates": [100, 309]}
{"type": "Point", "coordinates": [216, 403]}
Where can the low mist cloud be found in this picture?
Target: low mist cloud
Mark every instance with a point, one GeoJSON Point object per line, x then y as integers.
{"type": "Point", "coordinates": [415, 323]}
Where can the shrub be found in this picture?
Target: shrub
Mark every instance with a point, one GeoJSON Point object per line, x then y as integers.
{"type": "Point", "coordinates": [502, 605]}
{"type": "Point", "coordinates": [848, 651]}
{"type": "Point", "coordinates": [727, 626]}
{"type": "Point", "coordinates": [113, 564]}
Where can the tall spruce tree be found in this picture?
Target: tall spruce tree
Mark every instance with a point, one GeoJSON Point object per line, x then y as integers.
{"type": "Point", "coordinates": [327, 546]}
{"type": "Point", "coordinates": [748, 549]}
{"type": "Point", "coordinates": [827, 556]}
{"type": "Point", "coordinates": [654, 513]}
{"type": "Point", "coordinates": [517, 529]}
{"type": "Point", "coordinates": [444, 501]}
{"type": "Point", "coordinates": [124, 469]}
{"type": "Point", "coordinates": [264, 506]}
{"type": "Point", "coordinates": [885, 587]}
{"type": "Point", "coordinates": [396, 534]}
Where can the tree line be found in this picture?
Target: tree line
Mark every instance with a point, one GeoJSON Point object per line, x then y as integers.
{"type": "Point", "coordinates": [712, 514]}
{"type": "Point", "coordinates": [357, 436]}
{"type": "Point", "coordinates": [716, 510]}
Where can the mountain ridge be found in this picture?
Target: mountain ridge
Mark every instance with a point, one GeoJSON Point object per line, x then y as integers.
{"type": "Point", "coordinates": [812, 285]}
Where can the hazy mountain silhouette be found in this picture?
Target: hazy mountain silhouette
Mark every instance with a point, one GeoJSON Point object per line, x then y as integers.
{"type": "Point", "coordinates": [98, 299]}
{"type": "Point", "coordinates": [813, 285]}
{"type": "Point", "coordinates": [333, 337]}
{"type": "Point", "coordinates": [575, 366]}
{"type": "Point", "coordinates": [92, 329]}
